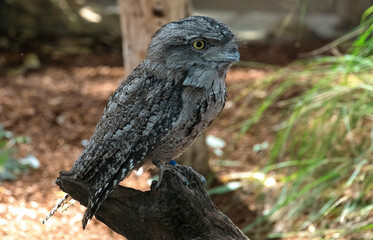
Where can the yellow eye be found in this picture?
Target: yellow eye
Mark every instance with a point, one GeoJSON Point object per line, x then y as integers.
{"type": "Point", "coordinates": [199, 44]}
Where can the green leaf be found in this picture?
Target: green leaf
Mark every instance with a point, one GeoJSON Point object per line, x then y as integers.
{"type": "Point", "coordinates": [229, 187]}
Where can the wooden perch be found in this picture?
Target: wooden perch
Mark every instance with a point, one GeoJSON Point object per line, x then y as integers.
{"type": "Point", "coordinates": [172, 211]}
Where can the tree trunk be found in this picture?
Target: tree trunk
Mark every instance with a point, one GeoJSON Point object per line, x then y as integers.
{"type": "Point", "coordinates": [197, 156]}
{"type": "Point", "coordinates": [350, 12]}
{"type": "Point", "coordinates": [140, 19]}
{"type": "Point", "coordinates": [174, 210]}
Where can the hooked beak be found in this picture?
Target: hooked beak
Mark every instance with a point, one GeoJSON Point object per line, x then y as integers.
{"type": "Point", "coordinates": [227, 54]}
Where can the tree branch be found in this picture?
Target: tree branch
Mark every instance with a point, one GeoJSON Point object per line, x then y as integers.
{"type": "Point", "coordinates": [172, 211]}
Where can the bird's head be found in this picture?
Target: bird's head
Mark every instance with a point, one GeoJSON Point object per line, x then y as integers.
{"type": "Point", "coordinates": [192, 42]}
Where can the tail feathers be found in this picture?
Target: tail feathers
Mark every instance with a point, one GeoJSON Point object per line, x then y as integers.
{"type": "Point", "coordinates": [98, 197]}
{"type": "Point", "coordinates": [62, 203]}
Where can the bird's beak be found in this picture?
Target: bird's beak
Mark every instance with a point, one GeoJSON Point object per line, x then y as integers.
{"type": "Point", "coordinates": [228, 54]}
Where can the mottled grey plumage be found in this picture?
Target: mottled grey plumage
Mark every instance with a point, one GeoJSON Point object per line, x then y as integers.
{"type": "Point", "coordinates": [161, 107]}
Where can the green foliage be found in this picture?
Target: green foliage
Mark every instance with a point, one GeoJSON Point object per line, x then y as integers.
{"type": "Point", "coordinates": [9, 165]}
{"type": "Point", "coordinates": [322, 152]}
{"type": "Point", "coordinates": [228, 187]}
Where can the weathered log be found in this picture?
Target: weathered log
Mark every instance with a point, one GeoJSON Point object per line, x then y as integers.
{"type": "Point", "coordinates": [174, 210]}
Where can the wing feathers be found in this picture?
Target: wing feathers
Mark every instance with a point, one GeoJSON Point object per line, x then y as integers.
{"type": "Point", "coordinates": [138, 115]}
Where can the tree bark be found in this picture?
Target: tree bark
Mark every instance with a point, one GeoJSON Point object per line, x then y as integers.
{"type": "Point", "coordinates": [350, 11]}
{"type": "Point", "coordinates": [197, 156]}
{"type": "Point", "coordinates": [174, 210]}
{"type": "Point", "coordinates": [140, 19]}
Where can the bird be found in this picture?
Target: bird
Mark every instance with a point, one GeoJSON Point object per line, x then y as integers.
{"type": "Point", "coordinates": [160, 108]}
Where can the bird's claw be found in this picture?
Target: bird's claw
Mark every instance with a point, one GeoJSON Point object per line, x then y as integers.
{"type": "Point", "coordinates": [171, 167]}
{"type": "Point", "coordinates": [201, 178]}
{"type": "Point", "coordinates": [164, 168]}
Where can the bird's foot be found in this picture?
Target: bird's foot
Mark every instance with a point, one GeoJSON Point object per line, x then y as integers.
{"type": "Point", "coordinates": [172, 167]}
{"type": "Point", "coordinates": [201, 178]}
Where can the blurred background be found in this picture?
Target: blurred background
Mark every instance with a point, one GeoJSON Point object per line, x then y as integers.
{"type": "Point", "coordinates": [290, 156]}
